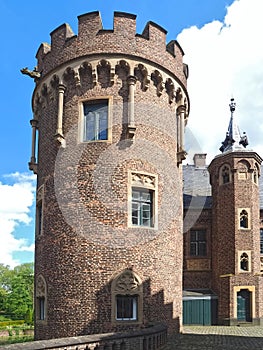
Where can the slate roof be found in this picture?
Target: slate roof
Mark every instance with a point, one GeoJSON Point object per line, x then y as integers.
{"type": "Point", "coordinates": [197, 189]}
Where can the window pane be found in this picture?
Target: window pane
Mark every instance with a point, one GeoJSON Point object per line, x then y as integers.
{"type": "Point", "coordinates": [202, 248]}
{"type": "Point", "coordinates": [193, 248]}
{"type": "Point", "coordinates": [103, 127]}
{"type": "Point", "coordinates": [135, 213]}
{"type": "Point", "coordinates": [201, 236]}
{"type": "Point", "coordinates": [96, 121]}
{"type": "Point", "coordinates": [142, 207]}
{"type": "Point", "coordinates": [198, 243]}
{"type": "Point", "coordinates": [146, 196]}
{"type": "Point", "coordinates": [90, 127]}
{"type": "Point", "coordinates": [126, 307]}
{"type": "Point", "coordinates": [41, 308]}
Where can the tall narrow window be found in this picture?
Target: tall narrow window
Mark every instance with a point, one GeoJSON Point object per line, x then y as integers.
{"type": "Point", "coordinates": [243, 219]}
{"type": "Point", "coordinates": [41, 307]}
{"type": "Point", "coordinates": [142, 207]}
{"type": "Point", "coordinates": [261, 241]}
{"type": "Point", "coordinates": [244, 262]}
{"type": "Point", "coordinates": [39, 210]}
{"type": "Point", "coordinates": [225, 174]}
{"type": "Point", "coordinates": [198, 242]}
{"type": "Point", "coordinates": [41, 298]}
{"type": "Point", "coordinates": [255, 175]}
{"type": "Point", "coordinates": [95, 120]}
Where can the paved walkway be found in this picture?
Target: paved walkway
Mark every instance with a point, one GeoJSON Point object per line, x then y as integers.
{"type": "Point", "coordinates": [218, 338]}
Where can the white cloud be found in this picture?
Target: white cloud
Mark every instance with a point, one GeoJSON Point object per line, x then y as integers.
{"type": "Point", "coordinates": [16, 198]}
{"type": "Point", "coordinates": [226, 60]}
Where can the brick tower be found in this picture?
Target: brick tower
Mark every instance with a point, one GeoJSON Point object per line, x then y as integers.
{"type": "Point", "coordinates": [109, 108]}
{"type": "Point", "coordinates": [236, 229]}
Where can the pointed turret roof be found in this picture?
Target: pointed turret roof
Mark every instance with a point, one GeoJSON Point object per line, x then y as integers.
{"type": "Point", "coordinates": [233, 141]}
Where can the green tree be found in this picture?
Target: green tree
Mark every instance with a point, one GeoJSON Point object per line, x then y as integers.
{"type": "Point", "coordinates": [16, 290]}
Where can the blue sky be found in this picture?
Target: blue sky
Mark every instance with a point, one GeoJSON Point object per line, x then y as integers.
{"type": "Point", "coordinates": [223, 48]}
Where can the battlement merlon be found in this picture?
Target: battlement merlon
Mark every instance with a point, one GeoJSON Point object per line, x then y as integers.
{"type": "Point", "coordinates": [93, 39]}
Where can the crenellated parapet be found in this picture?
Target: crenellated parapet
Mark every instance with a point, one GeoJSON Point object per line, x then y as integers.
{"type": "Point", "coordinates": [94, 41]}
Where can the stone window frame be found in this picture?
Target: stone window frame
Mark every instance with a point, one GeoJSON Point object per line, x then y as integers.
{"type": "Point", "coordinates": [148, 181]}
{"type": "Point", "coordinates": [82, 117]}
{"type": "Point", "coordinates": [41, 299]}
{"type": "Point", "coordinates": [39, 211]}
{"type": "Point", "coordinates": [239, 213]}
{"type": "Point", "coordinates": [240, 254]}
{"type": "Point", "coordinates": [225, 167]}
{"type": "Point", "coordinates": [127, 283]}
{"type": "Point", "coordinates": [251, 289]}
{"type": "Point", "coordinates": [243, 168]}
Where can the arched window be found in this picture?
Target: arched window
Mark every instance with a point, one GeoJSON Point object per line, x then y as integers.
{"type": "Point", "coordinates": [244, 262]}
{"type": "Point", "coordinates": [255, 175]}
{"type": "Point", "coordinates": [41, 298]}
{"type": "Point", "coordinates": [225, 174]}
{"type": "Point", "coordinates": [243, 219]}
{"type": "Point", "coordinates": [126, 297]}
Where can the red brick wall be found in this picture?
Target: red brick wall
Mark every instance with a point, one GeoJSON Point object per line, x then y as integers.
{"type": "Point", "coordinates": [85, 241]}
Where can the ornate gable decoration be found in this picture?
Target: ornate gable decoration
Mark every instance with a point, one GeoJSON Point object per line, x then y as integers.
{"type": "Point", "coordinates": [144, 180]}
{"type": "Point", "coordinates": [127, 283]}
{"type": "Point", "coordinates": [40, 287]}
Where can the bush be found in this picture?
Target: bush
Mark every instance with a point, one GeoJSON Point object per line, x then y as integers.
{"type": "Point", "coordinates": [11, 323]}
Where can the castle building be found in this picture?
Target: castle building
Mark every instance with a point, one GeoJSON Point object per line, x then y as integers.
{"type": "Point", "coordinates": [127, 237]}
{"type": "Point", "coordinates": [223, 235]}
{"type": "Point", "coordinates": [110, 107]}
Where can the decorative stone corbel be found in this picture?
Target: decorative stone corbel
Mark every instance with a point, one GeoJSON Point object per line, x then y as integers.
{"type": "Point", "coordinates": [145, 83]}
{"type": "Point", "coordinates": [169, 85]}
{"type": "Point", "coordinates": [77, 77]}
{"type": "Point", "coordinates": [158, 82]}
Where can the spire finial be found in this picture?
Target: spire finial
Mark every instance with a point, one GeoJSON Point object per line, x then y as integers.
{"type": "Point", "coordinates": [233, 140]}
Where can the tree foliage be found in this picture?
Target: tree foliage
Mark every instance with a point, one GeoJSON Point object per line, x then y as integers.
{"type": "Point", "coordinates": [16, 290]}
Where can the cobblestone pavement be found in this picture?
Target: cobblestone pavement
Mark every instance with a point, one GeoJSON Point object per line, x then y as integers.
{"type": "Point", "coordinates": [217, 338]}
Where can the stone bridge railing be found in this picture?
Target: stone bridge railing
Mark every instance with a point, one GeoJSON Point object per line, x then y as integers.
{"type": "Point", "coordinates": [152, 338]}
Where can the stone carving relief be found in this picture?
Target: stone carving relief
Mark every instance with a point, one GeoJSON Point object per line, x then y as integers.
{"type": "Point", "coordinates": [144, 180]}
{"type": "Point", "coordinates": [127, 282]}
{"type": "Point", "coordinates": [40, 287]}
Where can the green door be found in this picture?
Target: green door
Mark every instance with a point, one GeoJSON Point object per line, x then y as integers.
{"type": "Point", "coordinates": [197, 311]}
{"type": "Point", "coordinates": [244, 306]}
